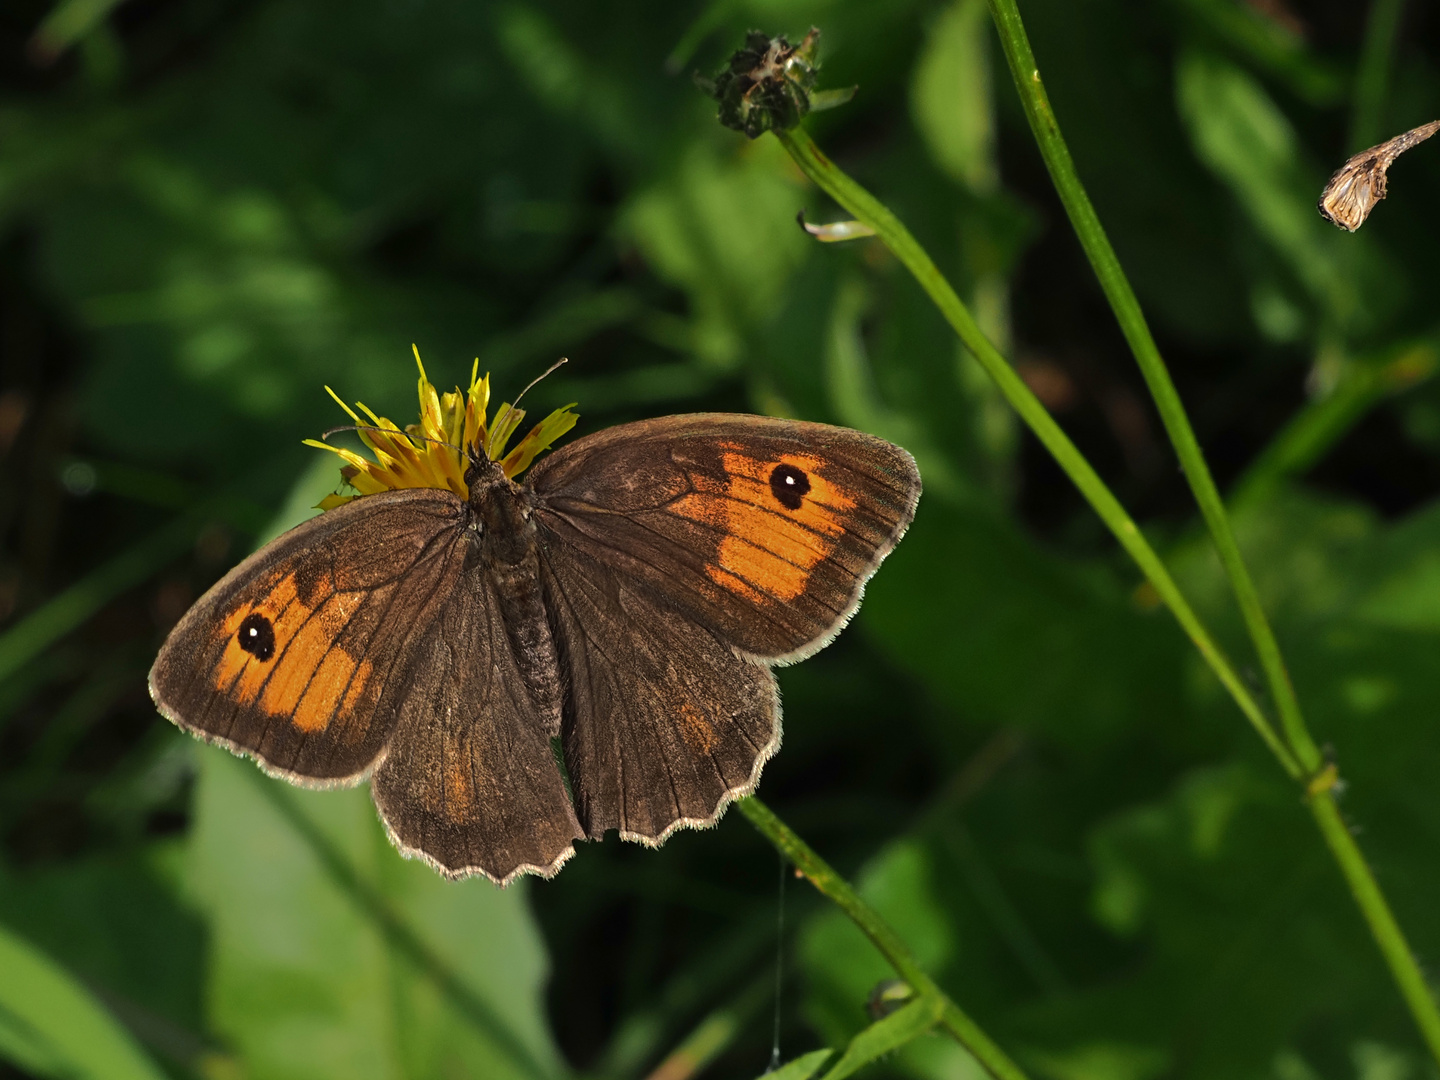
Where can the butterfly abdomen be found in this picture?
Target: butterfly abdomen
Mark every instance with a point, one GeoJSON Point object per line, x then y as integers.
{"type": "Point", "coordinates": [507, 553]}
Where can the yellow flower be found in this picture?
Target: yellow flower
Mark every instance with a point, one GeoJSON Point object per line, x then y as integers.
{"type": "Point", "coordinates": [435, 452]}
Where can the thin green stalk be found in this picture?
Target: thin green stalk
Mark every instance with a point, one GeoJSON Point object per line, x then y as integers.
{"type": "Point", "coordinates": [836, 889]}
{"type": "Point", "coordinates": [1372, 81]}
{"type": "Point", "coordinates": [898, 239]}
{"type": "Point", "coordinates": [1372, 903]}
{"type": "Point", "coordinates": [1403, 966]}
{"type": "Point", "coordinates": [67, 610]}
{"type": "Point", "coordinates": [1322, 422]}
{"type": "Point", "coordinates": [714, 1034]}
{"type": "Point", "coordinates": [640, 1033]}
{"type": "Point", "coordinates": [1157, 377]}
{"type": "Point", "coordinates": [24, 641]}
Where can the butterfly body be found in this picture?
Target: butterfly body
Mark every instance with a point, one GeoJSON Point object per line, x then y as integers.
{"type": "Point", "coordinates": [534, 663]}
{"type": "Point", "coordinates": [504, 544]}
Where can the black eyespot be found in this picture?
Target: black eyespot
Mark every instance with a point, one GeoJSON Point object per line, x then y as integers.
{"type": "Point", "coordinates": [789, 486]}
{"type": "Point", "coordinates": [257, 636]}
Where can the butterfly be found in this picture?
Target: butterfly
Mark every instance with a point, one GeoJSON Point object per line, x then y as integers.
{"type": "Point", "coordinates": [516, 666]}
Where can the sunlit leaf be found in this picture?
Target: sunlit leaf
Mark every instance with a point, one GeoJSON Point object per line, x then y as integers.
{"type": "Point", "coordinates": [1242, 135]}
{"type": "Point", "coordinates": [950, 96]}
{"type": "Point", "coordinates": [725, 230]}
{"type": "Point", "coordinates": [801, 1068]}
{"type": "Point", "coordinates": [886, 1036]}
{"type": "Point", "coordinates": [52, 1026]}
{"type": "Point", "coordinates": [305, 981]}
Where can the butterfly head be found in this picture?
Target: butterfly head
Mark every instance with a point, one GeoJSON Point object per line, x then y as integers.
{"type": "Point", "coordinates": [454, 444]}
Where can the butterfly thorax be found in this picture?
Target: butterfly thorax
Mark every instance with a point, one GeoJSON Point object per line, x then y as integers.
{"type": "Point", "coordinates": [501, 515]}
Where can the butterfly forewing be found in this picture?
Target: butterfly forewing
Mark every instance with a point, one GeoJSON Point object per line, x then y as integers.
{"type": "Point", "coordinates": [762, 530]}
{"type": "Point", "coordinates": [288, 658]}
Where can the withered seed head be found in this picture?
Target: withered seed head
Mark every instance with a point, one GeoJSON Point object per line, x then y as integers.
{"type": "Point", "coordinates": [1360, 183]}
{"type": "Point", "coordinates": [767, 84]}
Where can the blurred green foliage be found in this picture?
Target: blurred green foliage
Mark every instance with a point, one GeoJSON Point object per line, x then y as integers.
{"type": "Point", "coordinates": [211, 208]}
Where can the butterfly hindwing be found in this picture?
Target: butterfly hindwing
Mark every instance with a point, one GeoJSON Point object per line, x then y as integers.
{"type": "Point", "coordinates": [762, 530]}
{"type": "Point", "coordinates": [470, 781]}
{"type": "Point", "coordinates": [664, 723]}
{"type": "Point", "coordinates": [287, 659]}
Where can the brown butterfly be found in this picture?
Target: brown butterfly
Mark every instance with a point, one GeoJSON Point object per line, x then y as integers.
{"type": "Point", "coordinates": [516, 666]}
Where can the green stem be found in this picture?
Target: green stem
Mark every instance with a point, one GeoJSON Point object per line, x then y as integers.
{"type": "Point", "coordinates": [1322, 422]}
{"type": "Point", "coordinates": [898, 239]}
{"type": "Point", "coordinates": [713, 1035]}
{"type": "Point", "coordinates": [837, 890]}
{"type": "Point", "coordinates": [1372, 81]}
{"type": "Point", "coordinates": [1086, 223]}
{"type": "Point", "coordinates": [1377, 913]}
{"type": "Point", "coordinates": [24, 641]}
{"type": "Point", "coordinates": [1157, 377]}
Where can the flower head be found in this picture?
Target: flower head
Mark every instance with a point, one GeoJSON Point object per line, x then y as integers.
{"type": "Point", "coordinates": [767, 83]}
{"type": "Point", "coordinates": [435, 452]}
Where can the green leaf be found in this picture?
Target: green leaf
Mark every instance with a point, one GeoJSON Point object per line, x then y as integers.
{"type": "Point", "coordinates": [1244, 926]}
{"type": "Point", "coordinates": [1266, 41]}
{"type": "Point", "coordinates": [801, 1068]}
{"type": "Point", "coordinates": [68, 22]}
{"type": "Point", "coordinates": [857, 402]}
{"type": "Point", "coordinates": [723, 228]}
{"type": "Point", "coordinates": [117, 922]}
{"type": "Point", "coordinates": [51, 1025]}
{"type": "Point", "coordinates": [1403, 586]}
{"type": "Point", "coordinates": [939, 1058]}
{"type": "Point", "coordinates": [307, 981]}
{"type": "Point", "coordinates": [1221, 884]}
{"type": "Point", "coordinates": [887, 1035]}
{"type": "Point", "coordinates": [1250, 144]}
{"type": "Point", "coordinates": [950, 95]}
{"type": "Point", "coordinates": [1101, 1061]}
{"type": "Point", "coordinates": [1007, 634]}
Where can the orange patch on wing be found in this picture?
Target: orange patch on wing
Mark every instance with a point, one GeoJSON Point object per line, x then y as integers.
{"type": "Point", "coordinates": [768, 548]}
{"type": "Point", "coordinates": [356, 691]}
{"type": "Point", "coordinates": [459, 802]}
{"type": "Point", "coordinates": [449, 791]}
{"type": "Point", "coordinates": [725, 579]}
{"type": "Point", "coordinates": [338, 677]}
{"type": "Point", "coordinates": [697, 731]}
{"type": "Point", "coordinates": [308, 675]}
{"type": "Point", "coordinates": [299, 655]}
{"type": "Point", "coordinates": [239, 675]}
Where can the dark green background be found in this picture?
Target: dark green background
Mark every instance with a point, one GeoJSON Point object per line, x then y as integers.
{"type": "Point", "coordinates": [209, 209]}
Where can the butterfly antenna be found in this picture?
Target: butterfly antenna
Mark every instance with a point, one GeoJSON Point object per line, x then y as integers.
{"type": "Point", "coordinates": [386, 431]}
{"type": "Point", "coordinates": [548, 371]}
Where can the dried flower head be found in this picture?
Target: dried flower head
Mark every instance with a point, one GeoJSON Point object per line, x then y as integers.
{"type": "Point", "coordinates": [435, 452]}
{"type": "Point", "coordinates": [1360, 183]}
{"type": "Point", "coordinates": [767, 84]}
